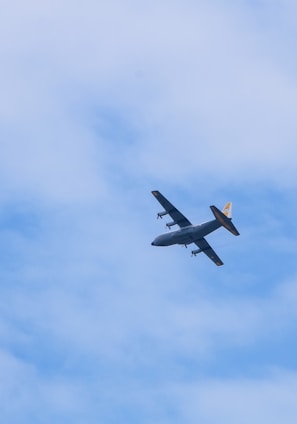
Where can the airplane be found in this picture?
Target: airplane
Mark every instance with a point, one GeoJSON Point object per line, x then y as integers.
{"type": "Point", "coordinates": [189, 233]}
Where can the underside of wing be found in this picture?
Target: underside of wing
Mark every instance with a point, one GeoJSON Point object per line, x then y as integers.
{"type": "Point", "coordinates": [208, 250]}
{"type": "Point", "coordinates": [176, 215]}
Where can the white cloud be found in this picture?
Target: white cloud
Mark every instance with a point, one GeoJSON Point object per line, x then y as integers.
{"type": "Point", "coordinates": [265, 400]}
{"type": "Point", "coordinates": [28, 395]}
{"type": "Point", "coordinates": [97, 102]}
{"type": "Point", "coordinates": [202, 83]}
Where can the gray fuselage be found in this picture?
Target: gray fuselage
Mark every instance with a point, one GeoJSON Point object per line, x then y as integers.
{"type": "Point", "coordinates": [186, 235]}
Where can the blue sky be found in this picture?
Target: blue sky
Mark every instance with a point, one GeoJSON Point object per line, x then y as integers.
{"type": "Point", "coordinates": [102, 102]}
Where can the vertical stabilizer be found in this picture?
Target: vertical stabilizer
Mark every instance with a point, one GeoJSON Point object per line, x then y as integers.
{"type": "Point", "coordinates": [227, 211]}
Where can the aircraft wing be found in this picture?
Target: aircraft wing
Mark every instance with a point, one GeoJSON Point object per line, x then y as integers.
{"type": "Point", "coordinates": [175, 214]}
{"type": "Point", "coordinates": [205, 248]}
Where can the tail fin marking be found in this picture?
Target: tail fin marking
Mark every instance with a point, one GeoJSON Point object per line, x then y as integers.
{"type": "Point", "coordinates": [227, 211]}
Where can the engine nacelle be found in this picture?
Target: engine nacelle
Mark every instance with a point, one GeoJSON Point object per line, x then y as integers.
{"type": "Point", "coordinates": [195, 252]}
{"type": "Point", "coordinates": [161, 214]}
{"type": "Point", "coordinates": [170, 224]}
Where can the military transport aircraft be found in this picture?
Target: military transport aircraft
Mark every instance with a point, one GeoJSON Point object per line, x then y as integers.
{"type": "Point", "coordinates": [189, 233]}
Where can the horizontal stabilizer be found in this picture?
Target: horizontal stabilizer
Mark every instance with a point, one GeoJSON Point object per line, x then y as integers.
{"type": "Point", "coordinates": [224, 220]}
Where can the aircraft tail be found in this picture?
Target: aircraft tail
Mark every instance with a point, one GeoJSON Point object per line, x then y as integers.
{"type": "Point", "coordinates": [228, 210]}
{"type": "Point", "coordinates": [224, 218]}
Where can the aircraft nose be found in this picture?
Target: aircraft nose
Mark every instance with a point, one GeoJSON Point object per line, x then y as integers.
{"type": "Point", "coordinates": [152, 243]}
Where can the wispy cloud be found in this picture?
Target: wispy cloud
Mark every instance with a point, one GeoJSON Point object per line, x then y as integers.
{"type": "Point", "coordinates": [261, 400]}
{"type": "Point", "coordinates": [99, 105]}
